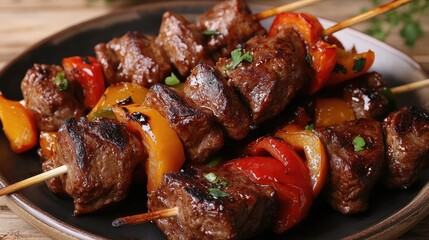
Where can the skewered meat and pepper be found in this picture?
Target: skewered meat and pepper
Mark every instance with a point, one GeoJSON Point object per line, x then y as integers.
{"type": "Point", "coordinates": [50, 96]}
{"type": "Point", "coordinates": [277, 71]}
{"type": "Point", "coordinates": [353, 172]}
{"type": "Point", "coordinates": [406, 133]}
{"type": "Point", "coordinates": [198, 131]}
{"type": "Point", "coordinates": [101, 156]}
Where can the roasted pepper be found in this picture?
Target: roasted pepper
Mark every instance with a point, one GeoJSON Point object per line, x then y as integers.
{"type": "Point", "coordinates": [331, 111]}
{"type": "Point", "coordinates": [19, 125]}
{"type": "Point", "coordinates": [321, 55]}
{"type": "Point", "coordinates": [164, 147]}
{"type": "Point", "coordinates": [286, 172]}
{"type": "Point", "coordinates": [349, 65]}
{"type": "Point", "coordinates": [87, 71]}
{"type": "Point", "coordinates": [117, 93]}
{"type": "Point", "coordinates": [47, 144]}
{"type": "Point", "coordinates": [307, 142]}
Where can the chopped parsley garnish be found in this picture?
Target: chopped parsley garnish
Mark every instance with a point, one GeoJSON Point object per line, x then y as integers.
{"type": "Point", "coordinates": [309, 60]}
{"type": "Point", "coordinates": [102, 113]}
{"type": "Point", "coordinates": [387, 93]}
{"type": "Point", "coordinates": [61, 81]}
{"type": "Point", "coordinates": [214, 162]}
{"type": "Point", "coordinates": [309, 127]}
{"type": "Point", "coordinates": [211, 177]}
{"type": "Point", "coordinates": [217, 193]}
{"type": "Point", "coordinates": [237, 57]}
{"type": "Point", "coordinates": [359, 64]}
{"type": "Point", "coordinates": [339, 68]}
{"type": "Point", "coordinates": [359, 143]}
{"type": "Point", "coordinates": [172, 80]}
{"type": "Point", "coordinates": [210, 33]}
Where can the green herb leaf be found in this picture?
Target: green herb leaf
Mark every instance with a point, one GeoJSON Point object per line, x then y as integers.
{"type": "Point", "coordinates": [387, 93]}
{"type": "Point", "coordinates": [309, 60]}
{"type": "Point", "coordinates": [102, 113]}
{"type": "Point", "coordinates": [217, 193]}
{"type": "Point", "coordinates": [359, 64]}
{"type": "Point", "coordinates": [339, 68]}
{"type": "Point", "coordinates": [359, 143]}
{"type": "Point", "coordinates": [172, 80]}
{"type": "Point", "coordinates": [211, 177]}
{"type": "Point", "coordinates": [214, 162]}
{"type": "Point", "coordinates": [210, 33]}
{"type": "Point", "coordinates": [237, 57]}
{"type": "Point", "coordinates": [411, 31]}
{"type": "Point", "coordinates": [309, 127]}
{"type": "Point", "coordinates": [61, 81]}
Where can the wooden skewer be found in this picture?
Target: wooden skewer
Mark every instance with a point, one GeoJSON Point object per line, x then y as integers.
{"type": "Point", "coordinates": [145, 217]}
{"type": "Point", "coordinates": [33, 180]}
{"type": "Point", "coordinates": [287, 7]}
{"type": "Point", "coordinates": [365, 16]}
{"type": "Point", "coordinates": [410, 87]}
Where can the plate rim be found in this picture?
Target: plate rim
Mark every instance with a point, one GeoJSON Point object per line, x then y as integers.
{"type": "Point", "coordinates": [398, 222]}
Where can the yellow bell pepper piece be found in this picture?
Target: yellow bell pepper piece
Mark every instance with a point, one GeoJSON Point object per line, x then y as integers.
{"type": "Point", "coordinates": [330, 111]}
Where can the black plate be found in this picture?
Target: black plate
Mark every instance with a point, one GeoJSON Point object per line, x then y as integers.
{"type": "Point", "coordinates": [53, 214]}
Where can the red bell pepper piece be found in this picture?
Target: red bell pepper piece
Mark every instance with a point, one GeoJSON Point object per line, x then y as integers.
{"type": "Point", "coordinates": [87, 71]}
{"type": "Point", "coordinates": [286, 172]}
{"type": "Point", "coordinates": [321, 55]}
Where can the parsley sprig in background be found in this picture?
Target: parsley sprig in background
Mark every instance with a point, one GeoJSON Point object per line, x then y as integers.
{"type": "Point", "coordinates": [406, 19]}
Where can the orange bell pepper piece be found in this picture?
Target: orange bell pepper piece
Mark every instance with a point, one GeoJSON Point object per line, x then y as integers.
{"type": "Point", "coordinates": [330, 111]}
{"type": "Point", "coordinates": [19, 125]}
{"type": "Point", "coordinates": [117, 93]}
{"type": "Point", "coordinates": [316, 160]}
{"type": "Point", "coordinates": [321, 55]}
{"type": "Point", "coordinates": [87, 71]}
{"type": "Point", "coordinates": [349, 65]}
{"type": "Point", "coordinates": [164, 147]}
{"type": "Point", "coordinates": [47, 144]}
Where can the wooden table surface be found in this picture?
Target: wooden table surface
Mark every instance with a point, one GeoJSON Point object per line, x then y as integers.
{"type": "Point", "coordinates": [24, 22]}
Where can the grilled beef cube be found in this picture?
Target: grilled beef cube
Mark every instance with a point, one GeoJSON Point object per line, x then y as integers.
{"type": "Point", "coordinates": [406, 134]}
{"type": "Point", "coordinates": [278, 71]}
{"type": "Point", "coordinates": [366, 96]}
{"type": "Point", "coordinates": [100, 157]}
{"type": "Point", "coordinates": [232, 208]}
{"type": "Point", "coordinates": [211, 93]}
{"type": "Point", "coordinates": [353, 173]}
{"type": "Point", "coordinates": [183, 43]}
{"type": "Point", "coordinates": [231, 23]}
{"type": "Point", "coordinates": [198, 131]}
{"type": "Point", "coordinates": [135, 58]}
{"type": "Point", "coordinates": [51, 99]}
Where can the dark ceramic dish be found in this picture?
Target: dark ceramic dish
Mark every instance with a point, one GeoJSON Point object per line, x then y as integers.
{"type": "Point", "coordinates": [390, 214]}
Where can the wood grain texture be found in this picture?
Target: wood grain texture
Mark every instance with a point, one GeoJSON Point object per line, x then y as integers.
{"type": "Point", "coordinates": [25, 22]}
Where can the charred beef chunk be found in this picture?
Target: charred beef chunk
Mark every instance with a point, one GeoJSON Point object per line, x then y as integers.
{"type": "Point", "coordinates": [50, 96]}
{"type": "Point", "coordinates": [367, 97]}
{"type": "Point", "coordinates": [277, 72]}
{"type": "Point", "coordinates": [231, 23]}
{"type": "Point", "coordinates": [406, 133]}
{"type": "Point", "coordinates": [133, 57]}
{"type": "Point", "coordinates": [353, 172]}
{"type": "Point", "coordinates": [211, 93]}
{"type": "Point", "coordinates": [182, 42]}
{"type": "Point", "coordinates": [100, 157]}
{"type": "Point", "coordinates": [232, 208]}
{"type": "Point", "coordinates": [198, 131]}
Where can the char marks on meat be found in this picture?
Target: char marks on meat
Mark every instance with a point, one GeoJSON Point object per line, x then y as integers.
{"type": "Point", "coordinates": [198, 131]}
{"type": "Point", "coordinates": [210, 92]}
{"type": "Point", "coordinates": [278, 71]}
{"type": "Point", "coordinates": [50, 105]}
{"type": "Point", "coordinates": [365, 96]}
{"type": "Point", "coordinates": [135, 58]}
{"type": "Point", "coordinates": [100, 157]}
{"type": "Point", "coordinates": [182, 42]}
{"type": "Point", "coordinates": [352, 173]}
{"type": "Point", "coordinates": [233, 24]}
{"type": "Point", "coordinates": [245, 209]}
{"type": "Point", "coordinates": [406, 133]}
